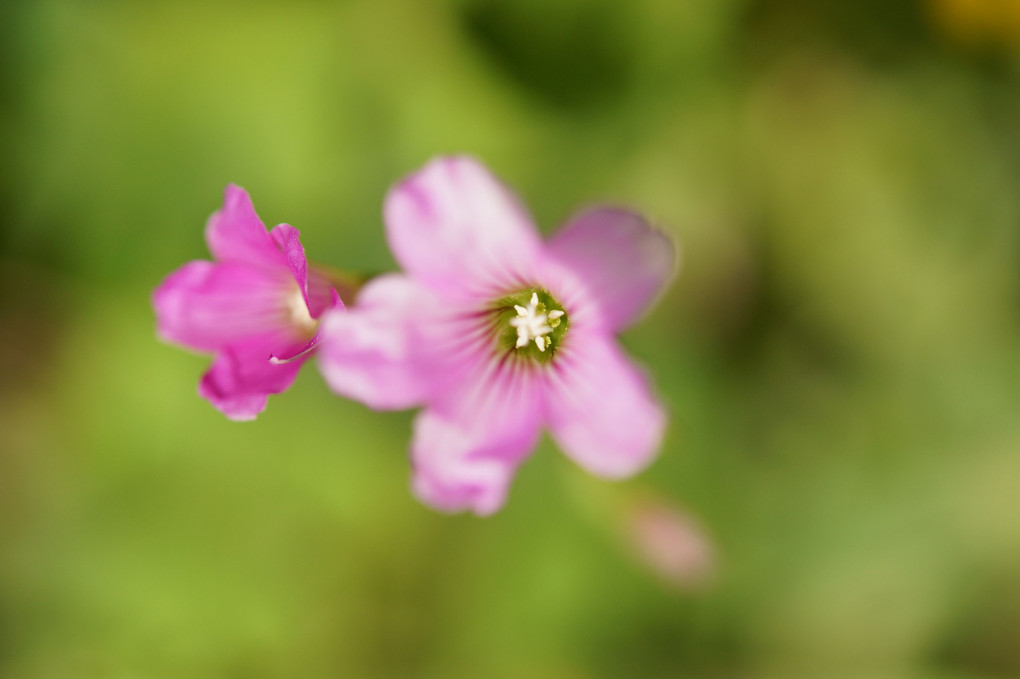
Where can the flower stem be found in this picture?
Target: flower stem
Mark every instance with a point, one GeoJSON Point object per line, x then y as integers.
{"type": "Point", "coordinates": [346, 284]}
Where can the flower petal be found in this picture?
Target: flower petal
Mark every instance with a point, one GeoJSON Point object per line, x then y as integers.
{"type": "Point", "coordinates": [242, 377]}
{"type": "Point", "coordinates": [601, 410]}
{"type": "Point", "coordinates": [206, 305]}
{"type": "Point", "coordinates": [316, 289]}
{"type": "Point", "coordinates": [619, 258]}
{"type": "Point", "coordinates": [383, 351]}
{"type": "Point", "coordinates": [468, 445]}
{"type": "Point", "coordinates": [236, 234]}
{"type": "Point", "coordinates": [456, 229]}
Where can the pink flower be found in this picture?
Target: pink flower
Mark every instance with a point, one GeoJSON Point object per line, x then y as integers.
{"type": "Point", "coordinates": [670, 542]}
{"type": "Point", "coordinates": [256, 307]}
{"type": "Point", "coordinates": [500, 335]}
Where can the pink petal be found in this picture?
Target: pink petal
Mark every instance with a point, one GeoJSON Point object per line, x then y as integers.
{"type": "Point", "coordinates": [601, 410]}
{"type": "Point", "coordinates": [236, 234]}
{"type": "Point", "coordinates": [315, 287]}
{"type": "Point", "coordinates": [206, 305]}
{"type": "Point", "coordinates": [468, 445]}
{"type": "Point", "coordinates": [320, 296]}
{"type": "Point", "coordinates": [621, 261]}
{"type": "Point", "coordinates": [385, 351]}
{"type": "Point", "coordinates": [242, 377]}
{"type": "Point", "coordinates": [456, 229]}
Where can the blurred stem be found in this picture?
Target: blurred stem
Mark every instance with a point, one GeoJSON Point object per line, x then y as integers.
{"type": "Point", "coordinates": [666, 539]}
{"type": "Point", "coordinates": [598, 501]}
{"type": "Point", "coordinates": [346, 284]}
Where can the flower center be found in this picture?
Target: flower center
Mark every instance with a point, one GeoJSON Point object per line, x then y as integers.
{"type": "Point", "coordinates": [530, 323]}
{"type": "Point", "coordinates": [299, 316]}
{"type": "Point", "coordinates": [534, 323]}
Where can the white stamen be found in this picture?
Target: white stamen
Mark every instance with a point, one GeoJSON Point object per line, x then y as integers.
{"type": "Point", "coordinates": [533, 325]}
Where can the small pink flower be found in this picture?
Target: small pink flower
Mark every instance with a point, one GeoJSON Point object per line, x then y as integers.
{"type": "Point", "coordinates": [500, 335]}
{"type": "Point", "coordinates": [256, 307]}
{"type": "Point", "coordinates": [670, 542]}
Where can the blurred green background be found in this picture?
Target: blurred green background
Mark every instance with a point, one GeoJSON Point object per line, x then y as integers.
{"type": "Point", "coordinates": [840, 355]}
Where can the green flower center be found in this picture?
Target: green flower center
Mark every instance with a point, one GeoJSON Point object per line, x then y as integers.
{"type": "Point", "coordinates": [530, 324]}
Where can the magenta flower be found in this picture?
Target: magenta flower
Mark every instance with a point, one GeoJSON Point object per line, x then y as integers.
{"type": "Point", "coordinates": [256, 307]}
{"type": "Point", "coordinates": [500, 335]}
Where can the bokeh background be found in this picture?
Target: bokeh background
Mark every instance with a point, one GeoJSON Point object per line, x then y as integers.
{"type": "Point", "coordinates": [839, 494]}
